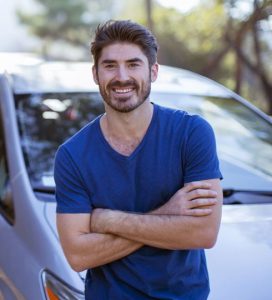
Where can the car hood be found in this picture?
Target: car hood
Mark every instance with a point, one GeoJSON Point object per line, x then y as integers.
{"type": "Point", "coordinates": [240, 264]}
{"type": "Point", "coordinates": [241, 176]}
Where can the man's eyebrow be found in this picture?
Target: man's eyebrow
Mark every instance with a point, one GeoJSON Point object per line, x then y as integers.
{"type": "Point", "coordinates": [108, 61]}
{"type": "Point", "coordinates": [112, 61]}
{"type": "Point", "coordinates": [136, 59]}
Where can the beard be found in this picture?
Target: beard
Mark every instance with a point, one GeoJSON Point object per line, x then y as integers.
{"type": "Point", "coordinates": [124, 104]}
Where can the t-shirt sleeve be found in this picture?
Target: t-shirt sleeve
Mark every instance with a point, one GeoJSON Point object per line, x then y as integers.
{"type": "Point", "coordinates": [71, 193]}
{"type": "Point", "coordinates": [201, 161]}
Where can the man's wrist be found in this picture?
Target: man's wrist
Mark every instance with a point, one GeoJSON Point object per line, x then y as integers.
{"type": "Point", "coordinates": [110, 218]}
{"type": "Point", "coordinates": [103, 220]}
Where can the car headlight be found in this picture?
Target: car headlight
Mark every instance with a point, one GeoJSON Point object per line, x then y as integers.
{"type": "Point", "coordinates": [56, 289]}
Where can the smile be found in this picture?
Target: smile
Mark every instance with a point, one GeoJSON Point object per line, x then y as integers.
{"type": "Point", "coordinates": [123, 91]}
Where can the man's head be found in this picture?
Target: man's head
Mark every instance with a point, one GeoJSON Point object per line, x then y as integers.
{"type": "Point", "coordinates": [127, 32]}
{"type": "Point", "coordinates": [125, 55]}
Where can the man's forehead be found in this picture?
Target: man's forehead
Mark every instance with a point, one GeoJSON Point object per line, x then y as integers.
{"type": "Point", "coordinates": [122, 51]}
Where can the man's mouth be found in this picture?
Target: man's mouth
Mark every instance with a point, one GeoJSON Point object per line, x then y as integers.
{"type": "Point", "coordinates": [122, 90]}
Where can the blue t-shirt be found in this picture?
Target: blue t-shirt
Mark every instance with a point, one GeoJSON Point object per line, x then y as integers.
{"type": "Point", "coordinates": [177, 148]}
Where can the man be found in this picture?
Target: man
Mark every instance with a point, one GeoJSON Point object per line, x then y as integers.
{"type": "Point", "coordinates": [138, 192]}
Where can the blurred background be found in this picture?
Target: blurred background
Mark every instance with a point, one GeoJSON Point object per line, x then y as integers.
{"type": "Point", "coordinates": [229, 41]}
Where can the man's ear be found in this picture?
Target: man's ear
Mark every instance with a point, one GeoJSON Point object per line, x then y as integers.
{"type": "Point", "coordinates": [154, 72]}
{"type": "Point", "coordinates": [95, 77]}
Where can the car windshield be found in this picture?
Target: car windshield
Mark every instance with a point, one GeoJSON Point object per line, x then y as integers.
{"type": "Point", "coordinates": [47, 120]}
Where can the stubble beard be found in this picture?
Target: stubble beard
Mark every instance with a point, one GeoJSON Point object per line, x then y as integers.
{"type": "Point", "coordinates": [122, 104]}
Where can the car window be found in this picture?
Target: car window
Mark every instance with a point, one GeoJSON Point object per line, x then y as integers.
{"type": "Point", "coordinates": [46, 121]}
{"type": "Point", "coordinates": [6, 203]}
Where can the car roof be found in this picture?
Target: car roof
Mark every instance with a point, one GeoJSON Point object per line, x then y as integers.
{"type": "Point", "coordinates": [60, 77]}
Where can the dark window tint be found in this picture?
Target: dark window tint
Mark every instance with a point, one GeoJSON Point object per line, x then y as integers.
{"type": "Point", "coordinates": [46, 121]}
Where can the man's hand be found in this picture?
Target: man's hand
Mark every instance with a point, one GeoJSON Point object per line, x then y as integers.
{"type": "Point", "coordinates": [195, 199]}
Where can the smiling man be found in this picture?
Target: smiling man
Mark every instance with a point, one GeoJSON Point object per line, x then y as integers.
{"type": "Point", "coordinates": [138, 189]}
{"type": "Point", "coordinates": [124, 93]}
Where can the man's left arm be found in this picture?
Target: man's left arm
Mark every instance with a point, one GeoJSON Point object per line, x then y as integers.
{"type": "Point", "coordinates": [164, 230]}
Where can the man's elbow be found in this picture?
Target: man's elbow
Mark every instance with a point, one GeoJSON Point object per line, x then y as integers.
{"type": "Point", "coordinates": [209, 243]}
{"type": "Point", "coordinates": [206, 242]}
{"type": "Point", "coordinates": [209, 232]}
{"type": "Point", "coordinates": [79, 264]}
{"type": "Point", "coordinates": [203, 239]}
{"type": "Point", "coordinates": [209, 239]}
{"type": "Point", "coordinates": [76, 263]}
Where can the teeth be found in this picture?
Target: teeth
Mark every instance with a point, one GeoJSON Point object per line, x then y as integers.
{"type": "Point", "coordinates": [123, 90]}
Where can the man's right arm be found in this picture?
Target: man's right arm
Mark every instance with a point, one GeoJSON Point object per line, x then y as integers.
{"type": "Point", "coordinates": [85, 250]}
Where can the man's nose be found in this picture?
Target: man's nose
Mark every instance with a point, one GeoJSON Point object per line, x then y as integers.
{"type": "Point", "coordinates": [122, 73]}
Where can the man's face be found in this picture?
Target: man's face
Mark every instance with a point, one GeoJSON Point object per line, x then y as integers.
{"type": "Point", "coordinates": [124, 76]}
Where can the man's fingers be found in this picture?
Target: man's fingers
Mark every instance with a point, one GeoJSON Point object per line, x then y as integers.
{"type": "Point", "coordinates": [202, 202]}
{"type": "Point", "coordinates": [201, 193]}
{"type": "Point", "coordinates": [198, 212]}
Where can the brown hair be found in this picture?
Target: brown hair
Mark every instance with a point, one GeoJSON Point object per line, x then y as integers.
{"type": "Point", "coordinates": [124, 31]}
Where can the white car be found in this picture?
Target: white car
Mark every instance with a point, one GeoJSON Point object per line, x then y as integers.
{"type": "Point", "coordinates": [42, 104]}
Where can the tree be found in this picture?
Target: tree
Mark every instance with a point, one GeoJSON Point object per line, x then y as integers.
{"type": "Point", "coordinates": [149, 5]}
{"type": "Point", "coordinates": [220, 40]}
{"type": "Point", "coordinates": [243, 37]}
{"type": "Point", "coordinates": [68, 21]}
{"type": "Point", "coordinates": [216, 38]}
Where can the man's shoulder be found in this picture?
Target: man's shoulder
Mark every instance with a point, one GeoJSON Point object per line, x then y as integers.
{"type": "Point", "coordinates": [180, 116]}
{"type": "Point", "coordinates": [164, 110]}
{"type": "Point", "coordinates": [84, 136]}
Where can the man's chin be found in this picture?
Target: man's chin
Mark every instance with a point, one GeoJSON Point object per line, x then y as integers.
{"type": "Point", "coordinates": [125, 106]}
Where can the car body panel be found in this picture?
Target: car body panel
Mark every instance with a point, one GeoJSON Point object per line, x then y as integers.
{"type": "Point", "coordinates": [246, 178]}
{"type": "Point", "coordinates": [240, 264]}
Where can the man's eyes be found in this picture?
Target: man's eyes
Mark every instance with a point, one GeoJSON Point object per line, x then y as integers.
{"type": "Point", "coordinates": [109, 66]}
{"type": "Point", "coordinates": [134, 65]}
{"type": "Point", "coordinates": [130, 65]}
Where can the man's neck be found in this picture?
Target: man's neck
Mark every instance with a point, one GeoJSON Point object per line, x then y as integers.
{"type": "Point", "coordinates": [124, 131]}
{"type": "Point", "coordinates": [127, 125]}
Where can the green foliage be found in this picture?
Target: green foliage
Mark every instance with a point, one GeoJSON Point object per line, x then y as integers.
{"type": "Point", "coordinates": [194, 33]}
{"type": "Point", "coordinates": [210, 39]}
{"type": "Point", "coordinates": [66, 22]}
{"type": "Point", "coordinates": [186, 40]}
{"type": "Point", "coordinates": [58, 20]}
{"type": "Point", "coordinates": [205, 39]}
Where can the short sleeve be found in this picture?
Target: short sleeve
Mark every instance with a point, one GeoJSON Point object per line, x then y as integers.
{"type": "Point", "coordinates": [71, 193]}
{"type": "Point", "coordinates": [201, 161]}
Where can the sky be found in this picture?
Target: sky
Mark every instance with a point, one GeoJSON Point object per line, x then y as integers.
{"type": "Point", "coordinates": [181, 5]}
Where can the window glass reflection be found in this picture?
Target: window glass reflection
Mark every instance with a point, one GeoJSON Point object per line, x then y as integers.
{"type": "Point", "coordinates": [46, 121]}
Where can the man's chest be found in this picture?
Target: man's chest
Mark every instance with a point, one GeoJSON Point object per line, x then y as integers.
{"type": "Point", "coordinates": [139, 183]}
{"type": "Point", "coordinates": [123, 147]}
